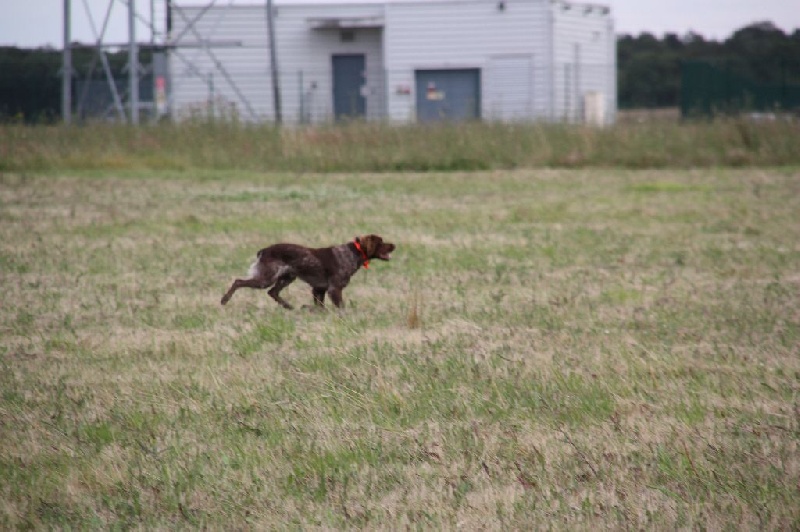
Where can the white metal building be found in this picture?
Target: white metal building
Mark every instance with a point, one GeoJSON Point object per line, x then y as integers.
{"type": "Point", "coordinates": [396, 60]}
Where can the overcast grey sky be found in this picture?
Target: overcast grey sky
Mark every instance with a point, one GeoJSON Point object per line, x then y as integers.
{"type": "Point", "coordinates": [31, 23]}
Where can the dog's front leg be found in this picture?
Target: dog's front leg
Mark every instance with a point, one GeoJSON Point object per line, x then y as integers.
{"type": "Point", "coordinates": [335, 294]}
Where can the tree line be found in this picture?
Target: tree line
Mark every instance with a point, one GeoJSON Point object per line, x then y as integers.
{"type": "Point", "coordinates": [648, 68]}
{"type": "Point", "coordinates": [31, 79]}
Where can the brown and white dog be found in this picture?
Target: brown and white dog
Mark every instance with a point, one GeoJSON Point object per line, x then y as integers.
{"type": "Point", "coordinates": [327, 270]}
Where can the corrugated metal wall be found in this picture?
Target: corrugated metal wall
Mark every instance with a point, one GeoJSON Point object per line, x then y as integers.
{"type": "Point", "coordinates": [241, 73]}
{"type": "Point", "coordinates": [509, 94]}
{"type": "Point", "coordinates": [470, 34]}
{"type": "Point", "coordinates": [305, 57]}
{"type": "Point", "coordinates": [538, 58]}
{"type": "Point", "coordinates": [584, 56]}
{"type": "Point", "coordinates": [231, 74]}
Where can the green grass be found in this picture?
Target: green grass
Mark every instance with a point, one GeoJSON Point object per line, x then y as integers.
{"type": "Point", "coordinates": [548, 348]}
{"type": "Point", "coordinates": [206, 149]}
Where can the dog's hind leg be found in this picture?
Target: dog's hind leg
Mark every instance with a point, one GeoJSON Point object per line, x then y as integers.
{"type": "Point", "coordinates": [283, 281]}
{"type": "Point", "coordinates": [259, 277]}
{"type": "Point", "coordinates": [319, 296]}
{"type": "Point", "coordinates": [243, 283]}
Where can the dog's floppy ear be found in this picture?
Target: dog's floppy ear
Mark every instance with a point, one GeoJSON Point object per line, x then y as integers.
{"type": "Point", "coordinates": [370, 243]}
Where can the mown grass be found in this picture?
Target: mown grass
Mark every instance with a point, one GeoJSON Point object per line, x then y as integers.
{"type": "Point", "coordinates": [596, 348]}
{"type": "Point", "coordinates": [378, 147]}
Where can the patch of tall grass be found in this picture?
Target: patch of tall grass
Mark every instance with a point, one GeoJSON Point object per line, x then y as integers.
{"type": "Point", "coordinates": [380, 147]}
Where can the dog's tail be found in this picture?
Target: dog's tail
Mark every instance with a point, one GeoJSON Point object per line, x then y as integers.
{"type": "Point", "coordinates": [252, 272]}
{"type": "Point", "coordinates": [254, 267]}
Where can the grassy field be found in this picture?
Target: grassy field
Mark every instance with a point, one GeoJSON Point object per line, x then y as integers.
{"type": "Point", "coordinates": [549, 348]}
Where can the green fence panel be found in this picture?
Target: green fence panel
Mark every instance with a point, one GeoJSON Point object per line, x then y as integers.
{"type": "Point", "coordinates": [710, 88]}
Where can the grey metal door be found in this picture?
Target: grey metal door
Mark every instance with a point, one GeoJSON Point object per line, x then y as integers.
{"type": "Point", "coordinates": [448, 94]}
{"type": "Point", "coordinates": [348, 81]}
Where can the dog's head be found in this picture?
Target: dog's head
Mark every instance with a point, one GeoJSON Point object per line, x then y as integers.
{"type": "Point", "coordinates": [374, 247]}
